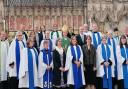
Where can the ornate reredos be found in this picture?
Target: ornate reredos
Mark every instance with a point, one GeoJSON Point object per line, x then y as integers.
{"type": "Point", "coordinates": [103, 12]}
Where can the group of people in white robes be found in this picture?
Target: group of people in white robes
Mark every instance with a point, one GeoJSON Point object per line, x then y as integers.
{"type": "Point", "coordinates": [91, 60]}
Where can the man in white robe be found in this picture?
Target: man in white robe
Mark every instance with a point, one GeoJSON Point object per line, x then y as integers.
{"type": "Point", "coordinates": [14, 56]}
{"type": "Point", "coordinates": [96, 35]}
{"type": "Point", "coordinates": [55, 34]}
{"type": "Point", "coordinates": [111, 41]}
{"type": "Point", "coordinates": [86, 30]}
{"type": "Point", "coordinates": [39, 37]}
{"type": "Point", "coordinates": [116, 35]}
{"type": "Point", "coordinates": [4, 46]}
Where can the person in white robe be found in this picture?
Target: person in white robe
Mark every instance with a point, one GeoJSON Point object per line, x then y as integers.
{"type": "Point", "coordinates": [39, 37]}
{"type": "Point", "coordinates": [74, 65]}
{"type": "Point", "coordinates": [25, 37]}
{"type": "Point", "coordinates": [86, 30]}
{"type": "Point", "coordinates": [96, 35]}
{"type": "Point", "coordinates": [47, 34]}
{"type": "Point", "coordinates": [111, 41]}
{"type": "Point", "coordinates": [55, 34]}
{"type": "Point", "coordinates": [14, 56]}
{"type": "Point", "coordinates": [104, 65]}
{"type": "Point", "coordinates": [122, 63]}
{"type": "Point", "coordinates": [116, 35]}
{"type": "Point", "coordinates": [45, 65]}
{"type": "Point", "coordinates": [4, 46]}
{"type": "Point", "coordinates": [28, 75]}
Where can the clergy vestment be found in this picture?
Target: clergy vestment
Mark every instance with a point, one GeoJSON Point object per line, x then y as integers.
{"type": "Point", "coordinates": [59, 77]}
{"type": "Point", "coordinates": [65, 43]}
{"type": "Point", "coordinates": [39, 38]}
{"type": "Point", "coordinates": [88, 33]}
{"type": "Point", "coordinates": [105, 54]}
{"type": "Point", "coordinates": [14, 56]}
{"type": "Point", "coordinates": [4, 46]}
{"type": "Point", "coordinates": [81, 39]}
{"type": "Point", "coordinates": [96, 38]}
{"type": "Point", "coordinates": [113, 45]}
{"type": "Point", "coordinates": [117, 39]}
{"type": "Point", "coordinates": [45, 76]}
{"type": "Point", "coordinates": [54, 35]}
{"type": "Point", "coordinates": [122, 57]}
{"type": "Point", "coordinates": [28, 75]}
{"type": "Point", "coordinates": [75, 75]}
{"type": "Point", "coordinates": [50, 44]}
{"type": "Point", "coordinates": [25, 37]}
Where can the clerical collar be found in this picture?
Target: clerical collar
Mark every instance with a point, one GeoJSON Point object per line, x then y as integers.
{"type": "Point", "coordinates": [46, 50]}
{"type": "Point", "coordinates": [54, 31]}
{"type": "Point", "coordinates": [30, 47]}
{"type": "Point", "coordinates": [104, 44]}
{"type": "Point", "coordinates": [111, 38]}
{"type": "Point", "coordinates": [95, 32]}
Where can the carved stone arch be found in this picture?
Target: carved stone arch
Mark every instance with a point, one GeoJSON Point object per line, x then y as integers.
{"type": "Point", "coordinates": [123, 22]}
{"type": "Point", "coordinates": [108, 18]}
{"type": "Point", "coordinates": [121, 16]}
{"type": "Point", "coordinates": [122, 12]}
{"type": "Point", "coordinates": [108, 23]}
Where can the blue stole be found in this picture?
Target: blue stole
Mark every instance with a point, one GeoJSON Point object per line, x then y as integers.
{"type": "Point", "coordinates": [94, 39]}
{"type": "Point", "coordinates": [76, 71]}
{"type": "Point", "coordinates": [125, 67]}
{"type": "Point", "coordinates": [107, 82]}
{"type": "Point", "coordinates": [114, 51]}
{"type": "Point", "coordinates": [50, 44]}
{"type": "Point", "coordinates": [30, 69]}
{"type": "Point", "coordinates": [17, 52]}
{"type": "Point", "coordinates": [47, 78]}
{"type": "Point", "coordinates": [36, 56]}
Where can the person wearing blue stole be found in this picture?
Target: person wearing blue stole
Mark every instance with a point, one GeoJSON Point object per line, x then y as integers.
{"type": "Point", "coordinates": [116, 35]}
{"type": "Point", "coordinates": [74, 65]}
{"type": "Point", "coordinates": [105, 63]}
{"type": "Point", "coordinates": [111, 41]}
{"type": "Point", "coordinates": [96, 40]}
{"type": "Point", "coordinates": [13, 62]}
{"type": "Point", "coordinates": [122, 63]}
{"type": "Point", "coordinates": [45, 64]}
{"type": "Point", "coordinates": [28, 75]}
{"type": "Point", "coordinates": [96, 35]}
{"type": "Point", "coordinates": [47, 34]}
